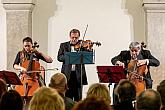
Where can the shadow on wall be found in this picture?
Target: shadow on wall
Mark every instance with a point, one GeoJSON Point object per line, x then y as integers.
{"type": "Point", "coordinates": [134, 9]}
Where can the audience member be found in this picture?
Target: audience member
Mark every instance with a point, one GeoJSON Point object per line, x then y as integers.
{"type": "Point", "coordinates": [126, 92]}
{"type": "Point", "coordinates": [46, 99]}
{"type": "Point", "coordinates": [148, 100]}
{"type": "Point", "coordinates": [3, 87]}
{"type": "Point", "coordinates": [59, 82]}
{"type": "Point", "coordinates": [100, 91]}
{"type": "Point", "coordinates": [92, 103]}
{"type": "Point", "coordinates": [11, 100]}
{"type": "Point", "coordinates": [161, 90]}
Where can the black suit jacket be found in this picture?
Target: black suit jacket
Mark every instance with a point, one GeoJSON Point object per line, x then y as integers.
{"type": "Point", "coordinates": [125, 57]}
{"type": "Point", "coordinates": [66, 68]}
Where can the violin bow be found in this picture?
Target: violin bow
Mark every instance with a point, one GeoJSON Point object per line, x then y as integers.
{"type": "Point", "coordinates": [85, 31]}
{"type": "Point", "coordinates": [83, 37]}
{"type": "Point", "coordinates": [35, 71]}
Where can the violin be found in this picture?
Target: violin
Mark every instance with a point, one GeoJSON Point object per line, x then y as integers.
{"type": "Point", "coordinates": [87, 45]}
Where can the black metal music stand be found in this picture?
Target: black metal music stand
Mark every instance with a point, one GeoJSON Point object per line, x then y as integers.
{"type": "Point", "coordinates": [110, 74]}
{"type": "Point", "coordinates": [10, 77]}
{"type": "Point", "coordinates": [80, 57]}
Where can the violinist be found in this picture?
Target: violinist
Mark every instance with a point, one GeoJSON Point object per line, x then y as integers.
{"type": "Point", "coordinates": [72, 72]}
{"type": "Point", "coordinates": [143, 57]}
{"type": "Point", "coordinates": [25, 54]}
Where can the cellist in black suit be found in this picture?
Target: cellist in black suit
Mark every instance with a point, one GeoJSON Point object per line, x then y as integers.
{"type": "Point", "coordinates": [72, 72]}
{"type": "Point", "coordinates": [143, 57]}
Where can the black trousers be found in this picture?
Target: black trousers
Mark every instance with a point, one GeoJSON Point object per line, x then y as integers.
{"type": "Point", "coordinates": [74, 90]}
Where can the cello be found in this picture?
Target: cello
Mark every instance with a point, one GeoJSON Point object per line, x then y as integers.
{"type": "Point", "coordinates": [136, 74]}
{"type": "Point", "coordinates": [29, 79]}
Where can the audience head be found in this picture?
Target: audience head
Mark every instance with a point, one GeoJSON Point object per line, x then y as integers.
{"type": "Point", "coordinates": [100, 91]}
{"type": "Point", "coordinates": [3, 87]}
{"type": "Point", "coordinates": [11, 100]}
{"type": "Point", "coordinates": [46, 99]}
{"type": "Point", "coordinates": [149, 100]}
{"type": "Point", "coordinates": [92, 103]}
{"type": "Point", "coordinates": [161, 90]}
{"type": "Point", "coordinates": [59, 82]}
{"type": "Point", "coordinates": [125, 90]}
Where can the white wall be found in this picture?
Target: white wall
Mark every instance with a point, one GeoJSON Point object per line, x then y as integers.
{"type": "Point", "coordinates": [3, 46]}
{"type": "Point", "coordinates": [136, 12]}
{"type": "Point", "coordinates": [43, 10]}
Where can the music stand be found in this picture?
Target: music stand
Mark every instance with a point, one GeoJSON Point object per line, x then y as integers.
{"type": "Point", "coordinates": [110, 74]}
{"type": "Point", "coordinates": [80, 57]}
{"type": "Point", "coordinates": [10, 77]}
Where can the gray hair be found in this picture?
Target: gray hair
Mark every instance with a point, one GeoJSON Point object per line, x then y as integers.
{"type": "Point", "coordinates": [135, 45]}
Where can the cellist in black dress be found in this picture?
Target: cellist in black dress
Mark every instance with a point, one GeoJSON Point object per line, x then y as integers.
{"type": "Point", "coordinates": [27, 59]}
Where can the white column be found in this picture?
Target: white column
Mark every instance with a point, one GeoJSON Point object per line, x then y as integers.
{"type": "Point", "coordinates": [18, 24]}
{"type": "Point", "coordinates": [155, 26]}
